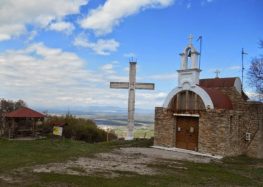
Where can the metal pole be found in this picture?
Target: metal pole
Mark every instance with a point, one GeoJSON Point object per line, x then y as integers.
{"type": "Point", "coordinates": [200, 47]}
{"type": "Point", "coordinates": [242, 57]}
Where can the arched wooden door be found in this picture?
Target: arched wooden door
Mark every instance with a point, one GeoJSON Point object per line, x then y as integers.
{"type": "Point", "coordinates": [187, 132]}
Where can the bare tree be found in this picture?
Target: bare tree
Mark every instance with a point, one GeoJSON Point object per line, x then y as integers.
{"type": "Point", "coordinates": [255, 73]}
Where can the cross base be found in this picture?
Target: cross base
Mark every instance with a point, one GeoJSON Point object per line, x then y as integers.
{"type": "Point", "coordinates": [129, 138]}
{"type": "Point", "coordinates": [129, 135]}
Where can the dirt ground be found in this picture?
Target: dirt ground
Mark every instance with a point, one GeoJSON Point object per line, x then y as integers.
{"type": "Point", "coordinates": [122, 160]}
{"type": "Point", "coordinates": [114, 163]}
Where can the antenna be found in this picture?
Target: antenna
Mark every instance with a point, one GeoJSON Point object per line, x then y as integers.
{"type": "Point", "coordinates": [190, 38]}
{"type": "Point", "coordinates": [200, 39]}
{"type": "Point", "coordinates": [217, 73]}
{"type": "Point", "coordinates": [242, 56]}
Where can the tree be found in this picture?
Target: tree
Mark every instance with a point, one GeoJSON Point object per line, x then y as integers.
{"type": "Point", "coordinates": [255, 73]}
{"type": "Point", "coordinates": [8, 106]}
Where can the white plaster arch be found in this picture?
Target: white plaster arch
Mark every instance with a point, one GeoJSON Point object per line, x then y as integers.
{"type": "Point", "coordinates": [190, 47]}
{"type": "Point", "coordinates": [196, 89]}
{"type": "Point", "coordinates": [238, 85]}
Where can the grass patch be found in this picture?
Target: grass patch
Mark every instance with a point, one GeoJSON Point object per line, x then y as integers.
{"type": "Point", "coordinates": [15, 154]}
{"type": "Point", "coordinates": [232, 171]}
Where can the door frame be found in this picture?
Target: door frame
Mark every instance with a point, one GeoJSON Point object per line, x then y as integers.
{"type": "Point", "coordinates": [187, 116]}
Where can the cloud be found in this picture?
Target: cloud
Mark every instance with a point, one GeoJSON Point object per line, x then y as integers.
{"type": "Point", "coordinates": [104, 18]}
{"type": "Point", "coordinates": [109, 68]}
{"type": "Point", "coordinates": [15, 15]}
{"type": "Point", "coordinates": [51, 77]}
{"type": "Point", "coordinates": [155, 97]}
{"type": "Point", "coordinates": [100, 47]}
{"type": "Point", "coordinates": [62, 27]}
{"type": "Point", "coordinates": [255, 96]}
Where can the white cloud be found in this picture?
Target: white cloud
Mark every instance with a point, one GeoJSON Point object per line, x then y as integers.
{"type": "Point", "coordinates": [51, 77]}
{"type": "Point", "coordinates": [104, 18]}
{"type": "Point", "coordinates": [108, 68]}
{"type": "Point", "coordinates": [45, 76]}
{"type": "Point", "coordinates": [62, 27]}
{"type": "Point", "coordinates": [100, 47]}
{"type": "Point", "coordinates": [156, 97]}
{"type": "Point", "coordinates": [255, 96]}
{"type": "Point", "coordinates": [15, 15]}
{"type": "Point", "coordinates": [81, 41]}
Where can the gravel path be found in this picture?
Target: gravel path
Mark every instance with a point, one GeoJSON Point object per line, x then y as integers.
{"type": "Point", "coordinates": [135, 160]}
{"type": "Point", "coordinates": [164, 154]}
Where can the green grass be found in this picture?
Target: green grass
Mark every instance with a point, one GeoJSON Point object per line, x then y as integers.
{"type": "Point", "coordinates": [234, 171]}
{"type": "Point", "coordinates": [15, 154]}
{"type": "Point", "coordinates": [139, 132]}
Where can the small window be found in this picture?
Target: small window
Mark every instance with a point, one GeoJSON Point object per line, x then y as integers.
{"type": "Point", "coordinates": [248, 136]}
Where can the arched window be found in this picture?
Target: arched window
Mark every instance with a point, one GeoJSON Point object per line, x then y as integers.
{"type": "Point", "coordinates": [189, 54]}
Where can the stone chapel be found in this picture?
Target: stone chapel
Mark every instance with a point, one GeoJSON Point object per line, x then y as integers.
{"type": "Point", "coordinates": [209, 115]}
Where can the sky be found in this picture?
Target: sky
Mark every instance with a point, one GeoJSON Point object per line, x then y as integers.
{"type": "Point", "coordinates": [64, 53]}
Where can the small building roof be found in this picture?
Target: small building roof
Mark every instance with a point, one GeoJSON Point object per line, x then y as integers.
{"type": "Point", "coordinates": [218, 82]}
{"type": "Point", "coordinates": [220, 100]}
{"type": "Point", "coordinates": [24, 112]}
{"type": "Point", "coordinates": [224, 83]}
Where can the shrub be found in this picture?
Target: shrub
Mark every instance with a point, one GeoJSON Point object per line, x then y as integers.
{"type": "Point", "coordinates": [79, 129]}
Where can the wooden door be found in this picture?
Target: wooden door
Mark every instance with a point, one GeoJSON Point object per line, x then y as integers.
{"type": "Point", "coordinates": [187, 133]}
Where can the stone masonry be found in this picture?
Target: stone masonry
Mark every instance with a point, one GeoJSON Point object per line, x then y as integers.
{"type": "Point", "coordinates": [221, 132]}
{"type": "Point", "coordinates": [164, 134]}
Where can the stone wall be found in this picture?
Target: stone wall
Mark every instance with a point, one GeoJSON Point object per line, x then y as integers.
{"type": "Point", "coordinates": [255, 148]}
{"type": "Point", "coordinates": [164, 128]}
{"type": "Point", "coordinates": [213, 127]}
{"type": "Point", "coordinates": [221, 132]}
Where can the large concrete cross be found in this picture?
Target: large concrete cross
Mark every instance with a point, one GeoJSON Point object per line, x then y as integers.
{"type": "Point", "coordinates": [131, 85]}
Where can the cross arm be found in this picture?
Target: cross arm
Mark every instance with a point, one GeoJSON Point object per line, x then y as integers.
{"type": "Point", "coordinates": [119, 85]}
{"type": "Point", "coordinates": [144, 86]}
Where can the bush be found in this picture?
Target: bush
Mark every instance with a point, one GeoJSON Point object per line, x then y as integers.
{"type": "Point", "coordinates": [79, 129]}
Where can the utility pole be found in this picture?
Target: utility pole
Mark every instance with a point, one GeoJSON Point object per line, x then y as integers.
{"type": "Point", "coordinates": [200, 39]}
{"type": "Point", "coordinates": [242, 56]}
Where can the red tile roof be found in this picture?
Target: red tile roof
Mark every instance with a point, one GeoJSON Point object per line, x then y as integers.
{"type": "Point", "coordinates": [24, 113]}
{"type": "Point", "coordinates": [220, 100]}
{"type": "Point", "coordinates": [218, 82]}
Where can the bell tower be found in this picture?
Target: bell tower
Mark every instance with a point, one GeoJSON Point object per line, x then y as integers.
{"type": "Point", "coordinates": [188, 75]}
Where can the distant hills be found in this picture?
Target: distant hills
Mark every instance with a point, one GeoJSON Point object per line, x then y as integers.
{"type": "Point", "coordinates": [106, 115]}
{"type": "Point", "coordinates": [94, 110]}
